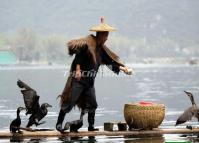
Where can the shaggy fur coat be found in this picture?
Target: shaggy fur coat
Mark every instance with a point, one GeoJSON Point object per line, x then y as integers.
{"type": "Point", "coordinates": [74, 47]}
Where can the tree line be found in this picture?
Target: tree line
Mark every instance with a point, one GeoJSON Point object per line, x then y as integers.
{"type": "Point", "coordinates": [29, 46]}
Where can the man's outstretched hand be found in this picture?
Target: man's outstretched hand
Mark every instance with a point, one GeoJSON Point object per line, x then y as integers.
{"type": "Point", "coordinates": [126, 70]}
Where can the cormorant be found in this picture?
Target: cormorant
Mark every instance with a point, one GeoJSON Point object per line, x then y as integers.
{"type": "Point", "coordinates": [76, 124]}
{"type": "Point", "coordinates": [192, 111]}
{"type": "Point", "coordinates": [15, 124]}
{"type": "Point", "coordinates": [73, 125]}
{"type": "Point", "coordinates": [31, 100]}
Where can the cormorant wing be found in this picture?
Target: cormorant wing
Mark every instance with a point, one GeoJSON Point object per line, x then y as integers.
{"type": "Point", "coordinates": [22, 84]}
{"type": "Point", "coordinates": [186, 116]}
{"type": "Point", "coordinates": [31, 99]}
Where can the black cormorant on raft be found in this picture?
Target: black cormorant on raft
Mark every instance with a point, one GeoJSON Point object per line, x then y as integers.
{"type": "Point", "coordinates": [192, 111]}
{"type": "Point", "coordinates": [74, 125]}
{"type": "Point", "coordinates": [15, 124]}
{"type": "Point", "coordinates": [31, 100]}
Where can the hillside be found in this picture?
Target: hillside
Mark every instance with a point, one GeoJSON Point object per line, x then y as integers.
{"type": "Point", "coordinates": [154, 28]}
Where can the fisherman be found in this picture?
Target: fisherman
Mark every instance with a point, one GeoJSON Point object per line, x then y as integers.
{"type": "Point", "coordinates": [90, 52]}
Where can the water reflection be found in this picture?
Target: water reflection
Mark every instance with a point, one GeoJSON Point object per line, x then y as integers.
{"type": "Point", "coordinates": [146, 140]}
{"type": "Point", "coordinates": [192, 138]}
{"type": "Point", "coordinates": [107, 139]}
{"type": "Point", "coordinates": [90, 139]}
{"type": "Point", "coordinates": [16, 139]}
{"type": "Point", "coordinates": [19, 139]}
{"type": "Point", "coordinates": [37, 140]}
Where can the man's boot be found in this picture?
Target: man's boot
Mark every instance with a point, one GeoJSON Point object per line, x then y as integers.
{"type": "Point", "coordinates": [60, 121]}
{"type": "Point", "coordinates": [91, 121]}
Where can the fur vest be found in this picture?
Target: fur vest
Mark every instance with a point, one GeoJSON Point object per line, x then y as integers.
{"type": "Point", "coordinates": [74, 46]}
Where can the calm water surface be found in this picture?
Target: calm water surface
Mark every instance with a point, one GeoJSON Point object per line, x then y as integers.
{"type": "Point", "coordinates": [162, 84]}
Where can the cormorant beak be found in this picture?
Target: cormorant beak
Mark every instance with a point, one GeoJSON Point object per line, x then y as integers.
{"type": "Point", "coordinates": [49, 105]}
{"type": "Point", "coordinates": [186, 92]}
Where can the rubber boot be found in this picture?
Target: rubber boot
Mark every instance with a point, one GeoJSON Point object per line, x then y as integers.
{"type": "Point", "coordinates": [60, 121]}
{"type": "Point", "coordinates": [83, 112]}
{"type": "Point", "coordinates": [91, 121]}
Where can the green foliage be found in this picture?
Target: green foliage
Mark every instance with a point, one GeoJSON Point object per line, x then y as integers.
{"type": "Point", "coordinates": [54, 48]}
{"type": "Point", "coordinates": [28, 46]}
{"type": "Point", "coordinates": [25, 45]}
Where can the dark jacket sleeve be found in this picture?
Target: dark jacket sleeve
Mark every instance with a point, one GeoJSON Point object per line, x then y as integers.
{"type": "Point", "coordinates": [111, 64]}
{"type": "Point", "coordinates": [79, 55]}
{"type": "Point", "coordinates": [78, 59]}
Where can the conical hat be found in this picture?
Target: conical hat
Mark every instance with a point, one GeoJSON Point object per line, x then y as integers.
{"type": "Point", "coordinates": [102, 27]}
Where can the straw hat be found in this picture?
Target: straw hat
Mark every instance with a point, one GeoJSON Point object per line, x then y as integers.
{"type": "Point", "coordinates": [102, 27]}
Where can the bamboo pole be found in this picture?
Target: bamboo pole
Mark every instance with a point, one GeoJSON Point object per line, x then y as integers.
{"type": "Point", "coordinates": [154, 132]}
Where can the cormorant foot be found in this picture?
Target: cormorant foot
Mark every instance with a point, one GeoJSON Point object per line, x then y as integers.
{"type": "Point", "coordinates": [189, 127]}
{"type": "Point", "coordinates": [67, 126]}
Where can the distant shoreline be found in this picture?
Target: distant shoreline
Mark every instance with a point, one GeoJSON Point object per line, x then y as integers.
{"type": "Point", "coordinates": [66, 67]}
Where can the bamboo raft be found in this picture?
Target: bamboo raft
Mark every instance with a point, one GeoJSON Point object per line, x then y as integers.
{"type": "Point", "coordinates": [54, 133]}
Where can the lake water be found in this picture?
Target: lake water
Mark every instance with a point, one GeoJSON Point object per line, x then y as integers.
{"type": "Point", "coordinates": [155, 83]}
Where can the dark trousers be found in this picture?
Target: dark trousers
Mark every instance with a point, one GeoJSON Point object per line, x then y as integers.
{"type": "Point", "coordinates": [89, 101]}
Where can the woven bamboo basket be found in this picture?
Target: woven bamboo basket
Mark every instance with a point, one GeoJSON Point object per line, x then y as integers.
{"type": "Point", "coordinates": [146, 116]}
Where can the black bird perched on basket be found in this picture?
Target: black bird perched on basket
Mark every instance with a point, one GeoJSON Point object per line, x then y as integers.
{"type": "Point", "coordinates": [31, 100]}
{"type": "Point", "coordinates": [15, 124]}
{"type": "Point", "coordinates": [192, 111]}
